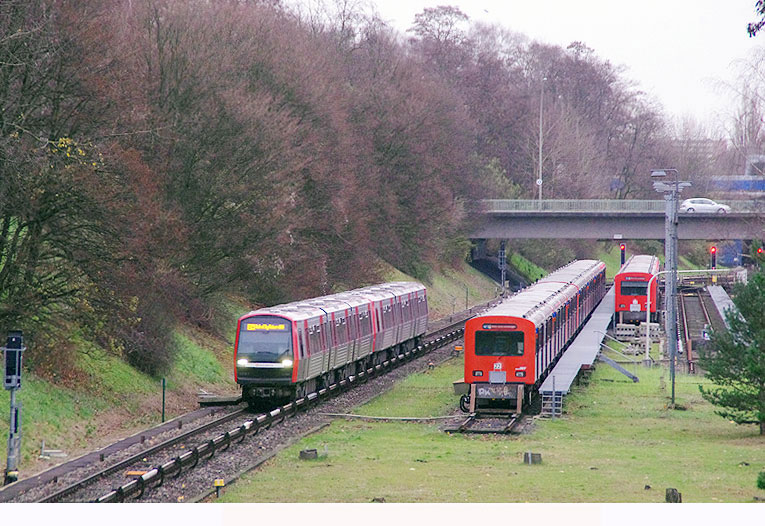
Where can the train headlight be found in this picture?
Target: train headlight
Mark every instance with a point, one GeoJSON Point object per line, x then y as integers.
{"type": "Point", "coordinates": [242, 362]}
{"type": "Point", "coordinates": [286, 362]}
{"type": "Point", "coordinates": [520, 374]}
{"type": "Point", "coordinates": [477, 373]}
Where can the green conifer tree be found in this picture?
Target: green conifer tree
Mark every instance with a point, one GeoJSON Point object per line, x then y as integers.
{"type": "Point", "coordinates": [735, 362]}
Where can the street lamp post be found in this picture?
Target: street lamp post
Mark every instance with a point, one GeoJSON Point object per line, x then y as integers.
{"type": "Point", "coordinates": [541, 137]}
{"type": "Point", "coordinates": [671, 192]}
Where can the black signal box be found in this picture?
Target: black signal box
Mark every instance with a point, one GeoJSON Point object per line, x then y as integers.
{"type": "Point", "coordinates": [14, 346]}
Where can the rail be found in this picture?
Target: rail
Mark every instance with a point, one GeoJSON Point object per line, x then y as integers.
{"type": "Point", "coordinates": [156, 476]}
{"type": "Point", "coordinates": [688, 319]}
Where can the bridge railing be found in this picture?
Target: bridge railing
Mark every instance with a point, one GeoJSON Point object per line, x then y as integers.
{"type": "Point", "coordinates": [597, 205]}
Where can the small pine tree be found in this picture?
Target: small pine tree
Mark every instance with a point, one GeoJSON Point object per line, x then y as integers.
{"type": "Point", "coordinates": [735, 362]}
{"type": "Point", "coordinates": [761, 480]}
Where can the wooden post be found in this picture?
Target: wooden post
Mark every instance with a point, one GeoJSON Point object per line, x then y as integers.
{"type": "Point", "coordinates": [672, 495]}
{"type": "Point", "coordinates": [519, 402]}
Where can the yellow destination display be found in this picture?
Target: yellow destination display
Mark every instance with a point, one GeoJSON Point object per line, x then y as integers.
{"type": "Point", "coordinates": [266, 327]}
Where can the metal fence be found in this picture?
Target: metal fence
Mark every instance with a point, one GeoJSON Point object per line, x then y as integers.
{"type": "Point", "coordinates": [597, 205]}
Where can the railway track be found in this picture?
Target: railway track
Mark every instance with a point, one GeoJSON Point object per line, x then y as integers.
{"type": "Point", "coordinates": [695, 320]}
{"type": "Point", "coordinates": [487, 424]}
{"type": "Point", "coordinates": [149, 467]}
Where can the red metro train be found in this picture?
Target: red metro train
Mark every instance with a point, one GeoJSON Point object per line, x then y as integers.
{"type": "Point", "coordinates": [510, 349]}
{"type": "Point", "coordinates": [631, 284]}
{"type": "Point", "coordinates": [287, 351]}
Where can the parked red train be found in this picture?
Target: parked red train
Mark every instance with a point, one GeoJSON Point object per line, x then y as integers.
{"type": "Point", "coordinates": [290, 350]}
{"type": "Point", "coordinates": [510, 349]}
{"type": "Point", "coordinates": [631, 283]}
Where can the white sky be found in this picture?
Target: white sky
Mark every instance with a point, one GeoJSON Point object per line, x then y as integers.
{"type": "Point", "coordinates": [677, 50]}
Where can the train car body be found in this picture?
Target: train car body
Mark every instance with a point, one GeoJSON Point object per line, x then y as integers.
{"type": "Point", "coordinates": [510, 349]}
{"type": "Point", "coordinates": [289, 350]}
{"type": "Point", "coordinates": [631, 284]}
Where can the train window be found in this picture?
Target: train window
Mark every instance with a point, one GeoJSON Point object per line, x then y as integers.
{"type": "Point", "coordinates": [633, 288]}
{"type": "Point", "coordinates": [499, 343]}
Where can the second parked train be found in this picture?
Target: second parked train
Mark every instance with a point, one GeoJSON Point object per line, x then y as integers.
{"type": "Point", "coordinates": [631, 284]}
{"type": "Point", "coordinates": [511, 348]}
{"type": "Point", "coordinates": [287, 351]}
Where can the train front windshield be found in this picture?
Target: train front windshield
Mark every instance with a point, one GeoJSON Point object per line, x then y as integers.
{"type": "Point", "coordinates": [634, 288]}
{"type": "Point", "coordinates": [265, 339]}
{"type": "Point", "coordinates": [499, 343]}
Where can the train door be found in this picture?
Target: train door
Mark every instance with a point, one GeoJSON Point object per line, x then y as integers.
{"type": "Point", "coordinates": [302, 350]}
{"type": "Point", "coordinates": [324, 339]}
{"type": "Point", "coordinates": [395, 304]}
{"type": "Point", "coordinates": [313, 366]}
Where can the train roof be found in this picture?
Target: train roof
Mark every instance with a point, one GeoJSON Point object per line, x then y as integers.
{"type": "Point", "coordinates": [540, 300]}
{"type": "Point", "coordinates": [641, 264]}
{"type": "Point", "coordinates": [324, 305]}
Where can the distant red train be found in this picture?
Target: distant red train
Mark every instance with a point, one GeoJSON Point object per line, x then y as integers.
{"type": "Point", "coordinates": [510, 349]}
{"type": "Point", "coordinates": [631, 283]}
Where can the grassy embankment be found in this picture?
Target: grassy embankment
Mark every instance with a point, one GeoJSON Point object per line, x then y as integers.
{"type": "Point", "coordinates": [618, 442]}
{"type": "Point", "coordinates": [110, 399]}
{"type": "Point", "coordinates": [449, 290]}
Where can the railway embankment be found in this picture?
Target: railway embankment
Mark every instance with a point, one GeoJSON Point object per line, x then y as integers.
{"type": "Point", "coordinates": [103, 399]}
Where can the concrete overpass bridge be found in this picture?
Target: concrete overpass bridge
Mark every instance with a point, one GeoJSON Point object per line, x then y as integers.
{"type": "Point", "coordinates": [610, 219]}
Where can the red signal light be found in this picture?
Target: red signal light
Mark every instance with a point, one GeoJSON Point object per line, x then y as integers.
{"type": "Point", "coordinates": [759, 250]}
{"type": "Point", "coordinates": [622, 246]}
{"type": "Point", "coordinates": [713, 250]}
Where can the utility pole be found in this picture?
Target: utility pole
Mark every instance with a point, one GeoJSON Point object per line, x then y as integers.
{"type": "Point", "coordinates": [12, 382]}
{"type": "Point", "coordinates": [502, 264]}
{"type": "Point", "coordinates": [671, 192]}
{"type": "Point", "coordinates": [541, 138]}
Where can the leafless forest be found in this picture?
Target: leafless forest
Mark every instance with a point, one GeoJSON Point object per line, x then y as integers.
{"type": "Point", "coordinates": [159, 155]}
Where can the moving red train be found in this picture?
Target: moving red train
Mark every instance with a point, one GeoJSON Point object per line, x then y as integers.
{"type": "Point", "coordinates": [290, 350]}
{"type": "Point", "coordinates": [510, 349]}
{"type": "Point", "coordinates": [631, 283]}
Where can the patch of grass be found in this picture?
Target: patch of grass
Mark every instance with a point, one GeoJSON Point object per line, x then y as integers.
{"type": "Point", "coordinates": [526, 268]}
{"type": "Point", "coordinates": [612, 258]}
{"type": "Point", "coordinates": [193, 364]}
{"type": "Point", "coordinates": [111, 377]}
{"type": "Point", "coordinates": [420, 395]}
{"type": "Point", "coordinates": [57, 415]}
{"type": "Point", "coordinates": [617, 438]}
{"type": "Point", "coordinates": [448, 287]}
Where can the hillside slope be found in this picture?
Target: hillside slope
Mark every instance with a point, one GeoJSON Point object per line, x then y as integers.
{"type": "Point", "coordinates": [105, 399]}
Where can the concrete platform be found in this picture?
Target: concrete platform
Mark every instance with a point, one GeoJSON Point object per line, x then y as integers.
{"type": "Point", "coordinates": [207, 401]}
{"type": "Point", "coordinates": [583, 350]}
{"type": "Point", "coordinates": [722, 300]}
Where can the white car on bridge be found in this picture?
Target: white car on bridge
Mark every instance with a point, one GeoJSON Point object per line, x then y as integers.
{"type": "Point", "coordinates": [703, 206]}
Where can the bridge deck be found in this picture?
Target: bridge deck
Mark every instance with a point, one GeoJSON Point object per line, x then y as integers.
{"type": "Point", "coordinates": [583, 349]}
